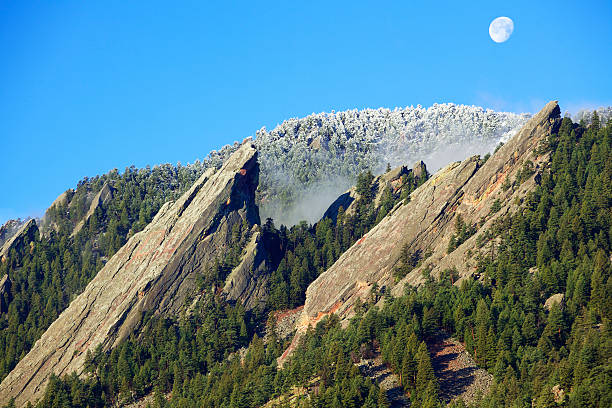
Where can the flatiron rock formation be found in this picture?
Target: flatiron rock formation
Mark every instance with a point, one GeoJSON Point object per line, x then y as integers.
{"type": "Point", "coordinates": [25, 235]}
{"type": "Point", "coordinates": [423, 227]}
{"type": "Point", "coordinates": [154, 271]}
{"type": "Point", "coordinates": [9, 229]}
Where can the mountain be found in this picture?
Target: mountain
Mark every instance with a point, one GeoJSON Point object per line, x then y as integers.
{"type": "Point", "coordinates": [306, 163]}
{"type": "Point", "coordinates": [508, 253]}
{"type": "Point", "coordinates": [155, 272]}
{"type": "Point", "coordinates": [419, 231]}
{"type": "Point", "coordinates": [87, 225]}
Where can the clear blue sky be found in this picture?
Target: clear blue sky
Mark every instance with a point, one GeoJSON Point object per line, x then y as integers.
{"type": "Point", "coordinates": [90, 86]}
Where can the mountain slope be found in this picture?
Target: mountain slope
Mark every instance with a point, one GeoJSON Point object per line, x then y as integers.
{"type": "Point", "coordinates": [84, 227]}
{"type": "Point", "coordinates": [155, 272]}
{"type": "Point", "coordinates": [422, 228]}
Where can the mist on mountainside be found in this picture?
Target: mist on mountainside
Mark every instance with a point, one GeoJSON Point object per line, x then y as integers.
{"type": "Point", "coordinates": [307, 163]}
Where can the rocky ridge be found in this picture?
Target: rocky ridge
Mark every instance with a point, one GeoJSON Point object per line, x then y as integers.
{"type": "Point", "coordinates": [154, 272]}
{"type": "Point", "coordinates": [101, 198]}
{"type": "Point", "coordinates": [9, 229]}
{"type": "Point", "coordinates": [25, 235]}
{"type": "Point", "coordinates": [424, 225]}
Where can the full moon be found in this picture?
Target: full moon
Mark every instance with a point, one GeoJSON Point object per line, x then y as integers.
{"type": "Point", "coordinates": [500, 29]}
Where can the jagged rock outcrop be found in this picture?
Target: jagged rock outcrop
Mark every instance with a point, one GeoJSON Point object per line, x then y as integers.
{"type": "Point", "coordinates": [25, 235]}
{"type": "Point", "coordinates": [425, 224]}
{"type": "Point", "coordinates": [46, 222]}
{"type": "Point", "coordinates": [391, 180]}
{"type": "Point", "coordinates": [249, 280]}
{"type": "Point", "coordinates": [9, 229]}
{"type": "Point", "coordinates": [496, 182]}
{"type": "Point", "coordinates": [99, 201]}
{"type": "Point", "coordinates": [154, 271]}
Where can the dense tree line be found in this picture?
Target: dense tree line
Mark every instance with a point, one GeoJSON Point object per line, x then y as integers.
{"type": "Point", "coordinates": [191, 361]}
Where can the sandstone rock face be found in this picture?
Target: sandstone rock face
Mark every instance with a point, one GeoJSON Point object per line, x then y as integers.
{"type": "Point", "coordinates": [155, 271]}
{"type": "Point", "coordinates": [8, 230]}
{"type": "Point", "coordinates": [373, 257]}
{"type": "Point", "coordinates": [248, 282]}
{"type": "Point", "coordinates": [23, 237]}
{"type": "Point", "coordinates": [475, 200]}
{"type": "Point", "coordinates": [63, 199]}
{"type": "Point", "coordinates": [425, 224]}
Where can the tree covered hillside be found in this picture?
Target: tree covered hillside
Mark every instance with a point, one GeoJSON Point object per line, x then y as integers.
{"type": "Point", "coordinates": [295, 157]}
{"type": "Point", "coordinates": [540, 352]}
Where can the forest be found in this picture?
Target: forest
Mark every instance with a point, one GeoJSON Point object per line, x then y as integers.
{"type": "Point", "coordinates": [220, 355]}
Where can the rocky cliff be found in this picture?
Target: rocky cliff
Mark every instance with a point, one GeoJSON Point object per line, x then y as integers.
{"type": "Point", "coordinates": [155, 271]}
{"type": "Point", "coordinates": [9, 229]}
{"type": "Point", "coordinates": [19, 240]}
{"type": "Point", "coordinates": [479, 192]}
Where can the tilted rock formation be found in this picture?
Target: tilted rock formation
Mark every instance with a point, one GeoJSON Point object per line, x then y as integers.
{"type": "Point", "coordinates": [46, 222]}
{"type": "Point", "coordinates": [425, 224]}
{"type": "Point", "coordinates": [99, 201]}
{"type": "Point", "coordinates": [23, 237]}
{"type": "Point", "coordinates": [154, 271]}
{"type": "Point", "coordinates": [249, 280]}
{"type": "Point", "coordinates": [9, 229]}
{"type": "Point", "coordinates": [476, 199]}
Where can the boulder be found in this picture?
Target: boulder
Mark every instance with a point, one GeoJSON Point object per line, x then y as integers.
{"type": "Point", "coordinates": [556, 299]}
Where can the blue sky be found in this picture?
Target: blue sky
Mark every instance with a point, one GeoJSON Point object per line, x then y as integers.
{"type": "Point", "coordinates": [90, 86]}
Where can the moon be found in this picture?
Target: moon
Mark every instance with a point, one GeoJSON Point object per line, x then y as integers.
{"type": "Point", "coordinates": [500, 29]}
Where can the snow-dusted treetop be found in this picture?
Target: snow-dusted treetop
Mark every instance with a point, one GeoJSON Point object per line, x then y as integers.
{"type": "Point", "coordinates": [326, 150]}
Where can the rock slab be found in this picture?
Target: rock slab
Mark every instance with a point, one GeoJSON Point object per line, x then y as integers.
{"type": "Point", "coordinates": [155, 271]}
{"type": "Point", "coordinates": [425, 225]}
